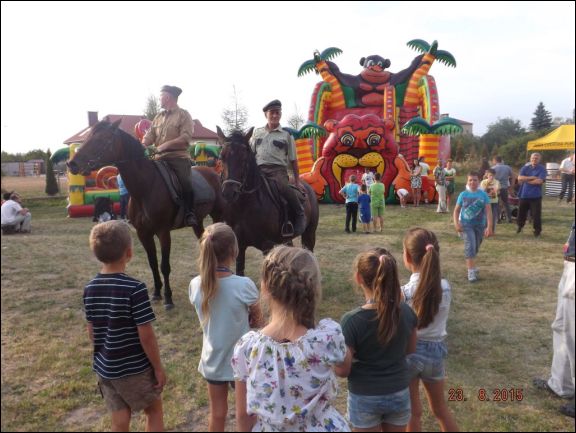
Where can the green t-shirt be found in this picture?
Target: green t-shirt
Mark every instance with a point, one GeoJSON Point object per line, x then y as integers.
{"type": "Point", "coordinates": [377, 194]}
{"type": "Point", "coordinates": [377, 369]}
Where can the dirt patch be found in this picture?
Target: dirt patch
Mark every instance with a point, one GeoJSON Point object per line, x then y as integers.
{"type": "Point", "coordinates": [79, 418]}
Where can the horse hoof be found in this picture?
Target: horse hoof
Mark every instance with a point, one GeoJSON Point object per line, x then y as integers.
{"type": "Point", "coordinates": [168, 307]}
{"type": "Point", "coordinates": [156, 297]}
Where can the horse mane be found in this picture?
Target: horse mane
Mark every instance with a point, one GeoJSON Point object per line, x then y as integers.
{"type": "Point", "coordinates": [132, 146]}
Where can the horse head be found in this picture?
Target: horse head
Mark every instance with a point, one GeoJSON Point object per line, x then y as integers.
{"type": "Point", "coordinates": [238, 162]}
{"type": "Point", "coordinates": [101, 148]}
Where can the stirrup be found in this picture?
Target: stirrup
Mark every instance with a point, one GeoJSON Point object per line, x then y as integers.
{"type": "Point", "coordinates": [287, 230]}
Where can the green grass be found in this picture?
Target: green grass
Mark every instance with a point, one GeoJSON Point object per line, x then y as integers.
{"type": "Point", "coordinates": [499, 328]}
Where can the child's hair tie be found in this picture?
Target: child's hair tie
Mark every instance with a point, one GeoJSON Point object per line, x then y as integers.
{"type": "Point", "coordinates": [429, 247]}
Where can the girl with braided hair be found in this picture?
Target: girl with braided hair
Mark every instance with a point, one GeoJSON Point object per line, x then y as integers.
{"type": "Point", "coordinates": [429, 295]}
{"type": "Point", "coordinates": [378, 334]}
{"type": "Point", "coordinates": [284, 376]}
{"type": "Point", "coordinates": [225, 304]}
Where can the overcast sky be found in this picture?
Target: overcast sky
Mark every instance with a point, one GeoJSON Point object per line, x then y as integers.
{"type": "Point", "coordinates": [61, 60]}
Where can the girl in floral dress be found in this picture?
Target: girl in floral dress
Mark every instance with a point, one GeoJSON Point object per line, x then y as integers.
{"type": "Point", "coordinates": [284, 376]}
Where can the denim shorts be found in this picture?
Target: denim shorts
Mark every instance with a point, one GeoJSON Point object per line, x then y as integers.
{"type": "Point", "coordinates": [367, 411]}
{"type": "Point", "coordinates": [427, 363]}
{"type": "Point", "coordinates": [473, 236]}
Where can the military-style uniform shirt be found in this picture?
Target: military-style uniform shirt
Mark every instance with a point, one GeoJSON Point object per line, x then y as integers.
{"type": "Point", "coordinates": [168, 125]}
{"type": "Point", "coordinates": [275, 147]}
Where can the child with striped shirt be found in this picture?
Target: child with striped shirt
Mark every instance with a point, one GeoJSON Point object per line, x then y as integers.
{"type": "Point", "coordinates": [126, 356]}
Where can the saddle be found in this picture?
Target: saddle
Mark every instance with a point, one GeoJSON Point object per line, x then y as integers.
{"type": "Point", "coordinates": [287, 213]}
{"type": "Point", "coordinates": [203, 192]}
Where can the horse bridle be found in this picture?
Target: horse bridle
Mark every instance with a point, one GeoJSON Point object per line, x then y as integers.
{"type": "Point", "coordinates": [241, 184]}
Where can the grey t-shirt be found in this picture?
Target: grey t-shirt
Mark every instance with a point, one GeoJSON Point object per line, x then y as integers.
{"type": "Point", "coordinates": [377, 369]}
{"type": "Point", "coordinates": [227, 323]}
{"type": "Point", "coordinates": [503, 174]}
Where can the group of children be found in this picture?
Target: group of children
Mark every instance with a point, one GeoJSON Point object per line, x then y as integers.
{"type": "Point", "coordinates": [283, 371]}
{"type": "Point", "coordinates": [369, 198]}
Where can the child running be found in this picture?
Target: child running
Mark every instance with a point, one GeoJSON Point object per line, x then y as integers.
{"type": "Point", "coordinates": [126, 356]}
{"type": "Point", "coordinates": [223, 302]}
{"type": "Point", "coordinates": [284, 376]}
{"type": "Point", "coordinates": [378, 334]}
{"type": "Point", "coordinates": [429, 296]}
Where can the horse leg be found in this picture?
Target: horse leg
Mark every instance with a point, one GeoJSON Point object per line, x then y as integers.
{"type": "Point", "coordinates": [199, 229]}
{"type": "Point", "coordinates": [150, 247]}
{"type": "Point", "coordinates": [165, 245]}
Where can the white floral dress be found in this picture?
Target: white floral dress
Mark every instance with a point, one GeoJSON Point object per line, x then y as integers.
{"type": "Point", "coordinates": [291, 386]}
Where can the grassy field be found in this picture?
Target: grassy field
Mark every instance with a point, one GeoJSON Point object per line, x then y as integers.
{"type": "Point", "coordinates": [499, 328]}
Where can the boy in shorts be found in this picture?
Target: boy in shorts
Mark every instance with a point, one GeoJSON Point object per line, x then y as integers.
{"type": "Point", "coordinates": [473, 218]}
{"type": "Point", "coordinates": [119, 314]}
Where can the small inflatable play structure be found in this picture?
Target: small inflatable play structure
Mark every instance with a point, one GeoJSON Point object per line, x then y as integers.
{"type": "Point", "coordinates": [84, 190]}
{"type": "Point", "coordinates": [376, 120]}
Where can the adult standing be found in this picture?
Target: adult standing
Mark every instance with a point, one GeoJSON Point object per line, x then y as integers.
{"type": "Point", "coordinates": [171, 133]}
{"type": "Point", "coordinates": [567, 174]}
{"type": "Point", "coordinates": [424, 173]}
{"type": "Point", "coordinates": [561, 381]}
{"type": "Point", "coordinates": [276, 151]}
{"type": "Point", "coordinates": [13, 214]}
{"type": "Point", "coordinates": [503, 174]}
{"type": "Point", "coordinates": [450, 181]}
{"type": "Point", "coordinates": [531, 178]}
{"type": "Point", "coordinates": [440, 177]}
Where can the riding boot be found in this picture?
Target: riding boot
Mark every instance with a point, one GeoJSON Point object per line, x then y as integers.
{"type": "Point", "coordinates": [189, 214]}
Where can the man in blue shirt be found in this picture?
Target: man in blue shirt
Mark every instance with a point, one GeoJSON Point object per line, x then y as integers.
{"type": "Point", "coordinates": [531, 178]}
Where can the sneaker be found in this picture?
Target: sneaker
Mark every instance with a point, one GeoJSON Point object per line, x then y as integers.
{"type": "Point", "coordinates": [472, 276]}
{"type": "Point", "coordinates": [567, 409]}
{"type": "Point", "coordinates": [476, 272]}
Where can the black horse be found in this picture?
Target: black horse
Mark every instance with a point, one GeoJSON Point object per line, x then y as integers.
{"type": "Point", "coordinates": [151, 210]}
{"type": "Point", "coordinates": [253, 214]}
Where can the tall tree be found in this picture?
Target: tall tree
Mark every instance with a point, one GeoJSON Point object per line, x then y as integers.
{"type": "Point", "coordinates": [152, 107]}
{"type": "Point", "coordinates": [236, 116]}
{"type": "Point", "coordinates": [542, 119]}
{"type": "Point", "coordinates": [501, 131]}
{"type": "Point", "coordinates": [51, 184]}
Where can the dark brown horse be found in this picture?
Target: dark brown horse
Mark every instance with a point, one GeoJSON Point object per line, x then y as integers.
{"type": "Point", "coordinates": [151, 209]}
{"type": "Point", "coordinates": [251, 211]}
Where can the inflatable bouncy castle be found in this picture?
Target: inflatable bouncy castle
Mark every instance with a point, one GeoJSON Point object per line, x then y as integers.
{"type": "Point", "coordinates": [376, 120]}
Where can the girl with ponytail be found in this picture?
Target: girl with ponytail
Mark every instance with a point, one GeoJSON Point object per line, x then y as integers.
{"type": "Point", "coordinates": [378, 334]}
{"type": "Point", "coordinates": [225, 304]}
{"type": "Point", "coordinates": [429, 296]}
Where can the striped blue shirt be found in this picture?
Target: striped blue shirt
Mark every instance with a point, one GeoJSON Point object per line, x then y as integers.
{"type": "Point", "coordinates": [115, 305]}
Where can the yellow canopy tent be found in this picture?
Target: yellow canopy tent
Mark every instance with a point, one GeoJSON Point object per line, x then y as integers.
{"type": "Point", "coordinates": [561, 138]}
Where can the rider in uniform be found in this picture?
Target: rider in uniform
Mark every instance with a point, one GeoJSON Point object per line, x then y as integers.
{"type": "Point", "coordinates": [276, 151]}
{"type": "Point", "coordinates": [171, 132]}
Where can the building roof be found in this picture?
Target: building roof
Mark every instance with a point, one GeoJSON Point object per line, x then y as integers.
{"type": "Point", "coordinates": [127, 124]}
{"type": "Point", "coordinates": [129, 121]}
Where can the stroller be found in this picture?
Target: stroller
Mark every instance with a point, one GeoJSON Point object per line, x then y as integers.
{"type": "Point", "coordinates": [514, 203]}
{"type": "Point", "coordinates": [103, 210]}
